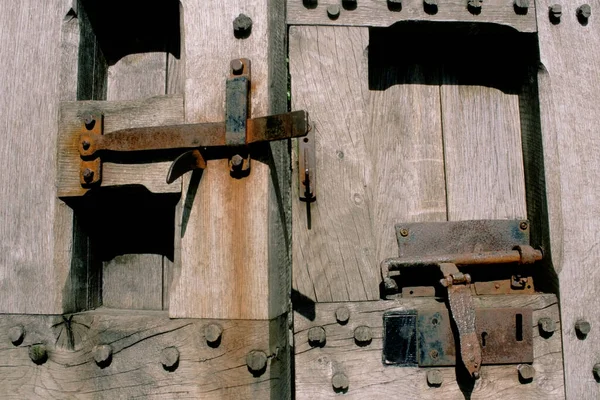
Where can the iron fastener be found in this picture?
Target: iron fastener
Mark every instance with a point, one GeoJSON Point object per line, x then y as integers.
{"type": "Point", "coordinates": [582, 328]}
{"type": "Point", "coordinates": [242, 26]}
{"type": "Point", "coordinates": [340, 382]}
{"type": "Point", "coordinates": [89, 121]}
{"type": "Point", "coordinates": [16, 334]}
{"type": "Point", "coordinates": [213, 334]}
{"type": "Point", "coordinates": [435, 378]}
{"type": "Point", "coordinates": [88, 175]}
{"type": "Point", "coordinates": [317, 336]}
{"type": "Point", "coordinates": [256, 361]}
{"type": "Point", "coordinates": [237, 66]}
{"type": "Point", "coordinates": [237, 162]}
{"type": "Point", "coordinates": [342, 315]}
{"type": "Point", "coordinates": [169, 358]}
{"type": "Point", "coordinates": [526, 373]}
{"type": "Point", "coordinates": [362, 335]}
{"type": "Point", "coordinates": [547, 326]}
{"type": "Point", "coordinates": [333, 11]}
{"type": "Point", "coordinates": [524, 224]}
{"type": "Point", "coordinates": [38, 353]}
{"type": "Point", "coordinates": [555, 12]}
{"type": "Point", "coordinates": [103, 355]}
{"type": "Point", "coordinates": [584, 12]}
{"type": "Point", "coordinates": [404, 232]}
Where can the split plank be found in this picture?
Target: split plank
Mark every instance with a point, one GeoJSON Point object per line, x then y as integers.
{"type": "Point", "coordinates": [570, 113]}
{"type": "Point", "coordinates": [377, 13]}
{"type": "Point", "coordinates": [370, 378]}
{"type": "Point", "coordinates": [379, 158]}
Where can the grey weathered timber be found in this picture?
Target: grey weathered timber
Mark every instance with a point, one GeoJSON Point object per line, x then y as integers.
{"type": "Point", "coordinates": [234, 239]}
{"type": "Point", "coordinates": [378, 13]}
{"type": "Point", "coordinates": [368, 378]}
{"type": "Point", "coordinates": [137, 76]}
{"type": "Point", "coordinates": [379, 160]}
{"type": "Point", "coordinates": [138, 340]}
{"type": "Point", "coordinates": [570, 112]}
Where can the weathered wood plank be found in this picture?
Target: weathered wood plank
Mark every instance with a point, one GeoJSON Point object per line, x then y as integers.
{"type": "Point", "coordinates": [377, 13]}
{"type": "Point", "coordinates": [138, 339]}
{"type": "Point", "coordinates": [137, 76]}
{"type": "Point", "coordinates": [379, 158]}
{"type": "Point", "coordinates": [234, 248]}
{"type": "Point", "coordinates": [369, 378]}
{"type": "Point", "coordinates": [570, 113]}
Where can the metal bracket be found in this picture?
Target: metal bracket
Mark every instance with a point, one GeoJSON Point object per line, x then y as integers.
{"type": "Point", "coordinates": [187, 143]}
{"type": "Point", "coordinates": [307, 172]}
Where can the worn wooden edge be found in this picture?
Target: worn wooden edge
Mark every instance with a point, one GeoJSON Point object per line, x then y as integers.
{"type": "Point", "coordinates": [375, 13]}
{"type": "Point", "coordinates": [369, 378]}
{"type": "Point", "coordinates": [155, 111]}
{"type": "Point", "coordinates": [138, 340]}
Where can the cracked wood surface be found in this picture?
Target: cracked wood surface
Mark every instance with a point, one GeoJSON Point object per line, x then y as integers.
{"type": "Point", "coordinates": [370, 379]}
{"type": "Point", "coordinates": [137, 339]}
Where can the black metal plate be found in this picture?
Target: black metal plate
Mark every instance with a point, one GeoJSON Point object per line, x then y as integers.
{"type": "Point", "coordinates": [399, 338]}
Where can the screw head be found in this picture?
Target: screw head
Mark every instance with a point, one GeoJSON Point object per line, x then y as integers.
{"type": "Point", "coordinates": [237, 66]}
{"type": "Point", "coordinates": [333, 11]}
{"type": "Point", "coordinates": [256, 361]}
{"type": "Point", "coordinates": [213, 333]}
{"type": "Point", "coordinates": [435, 377]}
{"type": "Point", "coordinates": [584, 11]}
{"type": "Point", "coordinates": [340, 382]}
{"type": "Point", "coordinates": [363, 335]}
{"type": "Point", "coordinates": [404, 232]}
{"type": "Point", "coordinates": [16, 334]}
{"type": "Point", "coordinates": [526, 372]}
{"type": "Point", "coordinates": [342, 315]}
{"type": "Point", "coordinates": [88, 175]}
{"type": "Point", "coordinates": [38, 353]}
{"type": "Point", "coordinates": [317, 336]}
{"type": "Point", "coordinates": [547, 326]}
{"type": "Point", "coordinates": [103, 355]}
{"type": "Point", "coordinates": [582, 328]}
{"type": "Point", "coordinates": [242, 26]}
{"type": "Point", "coordinates": [169, 358]}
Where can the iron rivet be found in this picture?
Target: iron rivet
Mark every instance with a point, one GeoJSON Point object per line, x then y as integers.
{"type": "Point", "coordinates": [169, 358]}
{"type": "Point", "coordinates": [88, 175]}
{"type": "Point", "coordinates": [86, 144]}
{"type": "Point", "coordinates": [38, 353]}
{"type": "Point", "coordinates": [236, 162]}
{"type": "Point", "coordinates": [404, 232]}
{"type": "Point", "coordinates": [16, 334]}
{"type": "Point", "coordinates": [333, 11]}
{"type": "Point", "coordinates": [340, 382]}
{"type": "Point", "coordinates": [524, 225]}
{"type": "Point", "coordinates": [434, 354]}
{"type": "Point", "coordinates": [526, 372]}
{"type": "Point", "coordinates": [582, 328]}
{"type": "Point", "coordinates": [435, 377]}
{"type": "Point", "coordinates": [596, 372]}
{"type": "Point", "coordinates": [547, 326]}
{"type": "Point", "coordinates": [213, 334]}
{"type": "Point", "coordinates": [89, 121]}
{"type": "Point", "coordinates": [316, 336]}
{"type": "Point", "coordinates": [103, 355]}
{"type": "Point", "coordinates": [242, 26]}
{"type": "Point", "coordinates": [256, 361]}
{"type": "Point", "coordinates": [555, 13]}
{"type": "Point", "coordinates": [342, 315]}
{"type": "Point", "coordinates": [362, 335]}
{"type": "Point", "coordinates": [584, 12]}
{"type": "Point", "coordinates": [237, 66]}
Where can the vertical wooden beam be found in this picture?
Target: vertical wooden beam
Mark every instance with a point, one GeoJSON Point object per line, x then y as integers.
{"type": "Point", "coordinates": [570, 114]}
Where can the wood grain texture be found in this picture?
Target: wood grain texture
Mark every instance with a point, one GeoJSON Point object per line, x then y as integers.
{"type": "Point", "coordinates": [137, 76]}
{"type": "Point", "coordinates": [162, 110]}
{"type": "Point", "coordinates": [570, 113]}
{"type": "Point", "coordinates": [379, 159]}
{"type": "Point", "coordinates": [137, 339]}
{"type": "Point", "coordinates": [377, 13]}
{"type": "Point", "coordinates": [370, 379]}
{"type": "Point", "coordinates": [229, 268]}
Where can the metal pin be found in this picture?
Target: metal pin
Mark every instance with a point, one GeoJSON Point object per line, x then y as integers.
{"type": "Point", "coordinates": [333, 11]}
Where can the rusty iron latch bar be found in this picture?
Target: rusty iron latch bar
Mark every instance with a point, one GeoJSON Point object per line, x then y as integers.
{"type": "Point", "coordinates": [457, 283]}
{"type": "Point", "coordinates": [189, 142]}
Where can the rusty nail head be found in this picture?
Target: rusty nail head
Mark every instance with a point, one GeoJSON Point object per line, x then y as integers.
{"type": "Point", "coordinates": [169, 358]}
{"type": "Point", "coordinates": [16, 334]}
{"type": "Point", "coordinates": [88, 175]}
{"type": "Point", "coordinates": [404, 232]}
{"type": "Point", "coordinates": [333, 11]}
{"type": "Point", "coordinates": [103, 355]}
{"type": "Point", "coordinates": [362, 335]}
{"type": "Point", "coordinates": [584, 11]}
{"type": "Point", "coordinates": [526, 372]}
{"type": "Point", "coordinates": [38, 353]}
{"type": "Point", "coordinates": [582, 328]}
{"type": "Point", "coordinates": [340, 382]}
{"type": "Point", "coordinates": [547, 325]}
{"type": "Point", "coordinates": [524, 224]}
{"type": "Point", "coordinates": [89, 121]}
{"type": "Point", "coordinates": [596, 371]}
{"type": "Point", "coordinates": [237, 66]}
{"type": "Point", "coordinates": [242, 26]}
{"type": "Point", "coordinates": [342, 315]}
{"type": "Point", "coordinates": [85, 144]}
{"type": "Point", "coordinates": [434, 354]}
{"type": "Point", "coordinates": [213, 333]}
{"type": "Point", "coordinates": [435, 377]}
{"type": "Point", "coordinates": [256, 361]}
{"type": "Point", "coordinates": [237, 161]}
{"type": "Point", "coordinates": [316, 336]}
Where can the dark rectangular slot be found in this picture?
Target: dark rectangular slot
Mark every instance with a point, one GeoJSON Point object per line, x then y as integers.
{"type": "Point", "coordinates": [400, 338]}
{"type": "Point", "coordinates": [519, 325]}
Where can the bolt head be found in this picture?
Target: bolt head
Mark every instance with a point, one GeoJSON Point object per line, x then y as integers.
{"type": "Point", "coordinates": [88, 175]}
{"type": "Point", "coordinates": [89, 121]}
{"type": "Point", "coordinates": [237, 161]}
{"type": "Point", "coordinates": [333, 11]}
{"type": "Point", "coordinates": [582, 328]}
{"type": "Point", "coordinates": [169, 358]}
{"type": "Point", "coordinates": [547, 325]}
{"type": "Point", "coordinates": [242, 26]}
{"type": "Point", "coordinates": [526, 372]}
{"type": "Point", "coordinates": [584, 11]}
{"type": "Point", "coordinates": [16, 334]}
{"type": "Point", "coordinates": [435, 377]}
{"type": "Point", "coordinates": [555, 11]}
{"type": "Point", "coordinates": [342, 315]}
{"type": "Point", "coordinates": [340, 382]}
{"type": "Point", "coordinates": [85, 144]}
{"type": "Point", "coordinates": [363, 335]}
{"type": "Point", "coordinates": [317, 336]}
{"type": "Point", "coordinates": [237, 66]}
{"type": "Point", "coordinates": [256, 361]}
{"type": "Point", "coordinates": [213, 334]}
{"type": "Point", "coordinates": [38, 353]}
{"type": "Point", "coordinates": [103, 355]}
